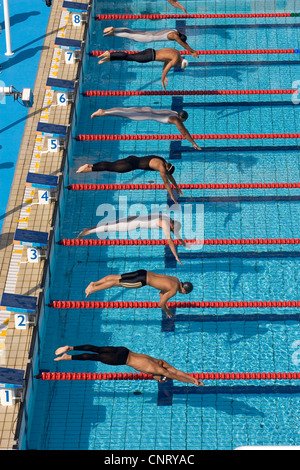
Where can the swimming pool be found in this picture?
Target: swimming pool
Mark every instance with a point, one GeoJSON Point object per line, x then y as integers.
{"type": "Point", "coordinates": [225, 414]}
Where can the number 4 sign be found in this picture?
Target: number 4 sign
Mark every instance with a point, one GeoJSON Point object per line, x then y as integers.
{"type": "Point", "coordinates": [44, 196]}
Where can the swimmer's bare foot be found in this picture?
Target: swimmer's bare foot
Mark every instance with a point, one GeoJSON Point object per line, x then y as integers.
{"type": "Point", "coordinates": [98, 113]}
{"type": "Point", "coordinates": [63, 350]}
{"type": "Point", "coordinates": [82, 234]}
{"type": "Point", "coordinates": [108, 31]}
{"type": "Point", "coordinates": [64, 357]}
{"type": "Point", "coordinates": [84, 168]}
{"type": "Point", "coordinates": [90, 289]}
{"type": "Point", "coordinates": [105, 57]}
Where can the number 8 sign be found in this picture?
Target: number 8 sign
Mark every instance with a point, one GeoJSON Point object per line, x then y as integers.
{"type": "Point", "coordinates": [77, 19]}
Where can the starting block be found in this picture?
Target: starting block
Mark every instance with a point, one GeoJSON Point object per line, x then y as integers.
{"type": "Point", "coordinates": [72, 48]}
{"type": "Point", "coordinates": [35, 241]}
{"type": "Point", "coordinates": [65, 90]}
{"type": "Point", "coordinates": [55, 133]}
{"type": "Point", "coordinates": [30, 238]}
{"type": "Point", "coordinates": [11, 385]}
{"type": "Point", "coordinates": [37, 180]}
{"type": "Point", "coordinates": [79, 11]}
{"type": "Point", "coordinates": [23, 306]}
{"type": "Point", "coordinates": [75, 6]}
{"type": "Point", "coordinates": [46, 184]}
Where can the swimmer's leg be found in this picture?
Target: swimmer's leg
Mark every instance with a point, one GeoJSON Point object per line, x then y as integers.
{"type": "Point", "coordinates": [108, 31]}
{"type": "Point", "coordinates": [98, 113]}
{"type": "Point", "coordinates": [105, 57]}
{"type": "Point", "coordinates": [85, 168]}
{"type": "Point", "coordinates": [84, 233]}
{"type": "Point", "coordinates": [106, 282]}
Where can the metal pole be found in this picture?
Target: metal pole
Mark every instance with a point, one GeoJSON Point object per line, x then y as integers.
{"type": "Point", "coordinates": [7, 28]}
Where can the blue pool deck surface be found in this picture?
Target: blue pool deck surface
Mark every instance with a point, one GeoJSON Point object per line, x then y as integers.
{"type": "Point", "coordinates": [18, 70]}
{"type": "Point", "coordinates": [145, 415]}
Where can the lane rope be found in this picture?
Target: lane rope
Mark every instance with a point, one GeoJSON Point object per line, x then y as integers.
{"type": "Point", "coordinates": [195, 15]}
{"type": "Point", "coordinates": [74, 304]}
{"type": "Point", "coordinates": [105, 137]}
{"type": "Point", "coordinates": [219, 52]}
{"type": "Point", "coordinates": [90, 93]}
{"type": "Point", "coordinates": [142, 376]}
{"type": "Point", "coordinates": [222, 241]}
{"type": "Point", "coordinates": [143, 186]}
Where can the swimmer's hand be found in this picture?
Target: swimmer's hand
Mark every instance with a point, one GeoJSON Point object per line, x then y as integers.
{"type": "Point", "coordinates": [178, 261]}
{"type": "Point", "coordinates": [164, 83]}
{"type": "Point", "coordinates": [168, 312]}
{"type": "Point", "coordinates": [179, 191]}
{"type": "Point", "coordinates": [196, 146]}
{"type": "Point", "coordinates": [195, 54]}
{"type": "Point", "coordinates": [174, 199]}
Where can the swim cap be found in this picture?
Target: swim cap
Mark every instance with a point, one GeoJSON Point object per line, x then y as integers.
{"type": "Point", "coordinates": [170, 168]}
{"type": "Point", "coordinates": [184, 63]}
{"type": "Point", "coordinates": [182, 36]}
{"type": "Point", "coordinates": [183, 114]}
{"type": "Point", "coordinates": [188, 287]}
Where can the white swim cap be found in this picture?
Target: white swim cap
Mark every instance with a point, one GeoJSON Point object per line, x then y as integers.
{"type": "Point", "coordinates": [184, 63]}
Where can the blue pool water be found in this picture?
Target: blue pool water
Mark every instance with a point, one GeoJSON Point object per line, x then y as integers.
{"type": "Point", "coordinates": [145, 415]}
{"type": "Point", "coordinates": [18, 70]}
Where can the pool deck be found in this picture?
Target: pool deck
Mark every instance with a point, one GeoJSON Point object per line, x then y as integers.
{"type": "Point", "coordinates": [22, 211]}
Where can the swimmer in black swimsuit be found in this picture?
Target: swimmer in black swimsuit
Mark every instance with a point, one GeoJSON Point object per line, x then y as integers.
{"type": "Point", "coordinates": [168, 56]}
{"type": "Point", "coordinates": [117, 356]}
{"type": "Point", "coordinates": [131, 163]}
{"type": "Point", "coordinates": [167, 285]}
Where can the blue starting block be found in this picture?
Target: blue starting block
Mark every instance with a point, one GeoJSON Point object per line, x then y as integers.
{"type": "Point", "coordinates": [51, 130]}
{"type": "Point", "coordinates": [37, 180]}
{"type": "Point", "coordinates": [75, 6]}
{"type": "Point", "coordinates": [71, 44]}
{"type": "Point", "coordinates": [11, 378]}
{"type": "Point", "coordinates": [11, 385]}
{"type": "Point", "coordinates": [23, 307]}
{"type": "Point", "coordinates": [60, 85]}
{"type": "Point", "coordinates": [30, 238]}
{"type": "Point", "coordinates": [18, 303]}
{"type": "Point", "coordinates": [65, 88]}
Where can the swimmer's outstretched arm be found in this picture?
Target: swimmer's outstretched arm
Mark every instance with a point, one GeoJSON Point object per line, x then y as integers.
{"type": "Point", "coordinates": [187, 47]}
{"type": "Point", "coordinates": [172, 181]}
{"type": "Point", "coordinates": [164, 299]}
{"type": "Point", "coordinates": [176, 4]}
{"type": "Point", "coordinates": [166, 69]}
{"type": "Point", "coordinates": [166, 228]}
{"type": "Point", "coordinates": [183, 131]}
{"type": "Point", "coordinates": [165, 179]}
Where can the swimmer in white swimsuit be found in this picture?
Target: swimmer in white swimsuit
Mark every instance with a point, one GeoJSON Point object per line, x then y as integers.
{"type": "Point", "coordinates": [155, 221]}
{"type": "Point", "coordinates": [151, 36]}
{"type": "Point", "coordinates": [164, 116]}
{"type": "Point", "coordinates": [170, 58]}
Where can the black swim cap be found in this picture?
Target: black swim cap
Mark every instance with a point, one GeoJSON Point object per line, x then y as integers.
{"type": "Point", "coordinates": [188, 287]}
{"type": "Point", "coordinates": [183, 37]}
{"type": "Point", "coordinates": [183, 114]}
{"type": "Point", "coordinates": [170, 168]}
